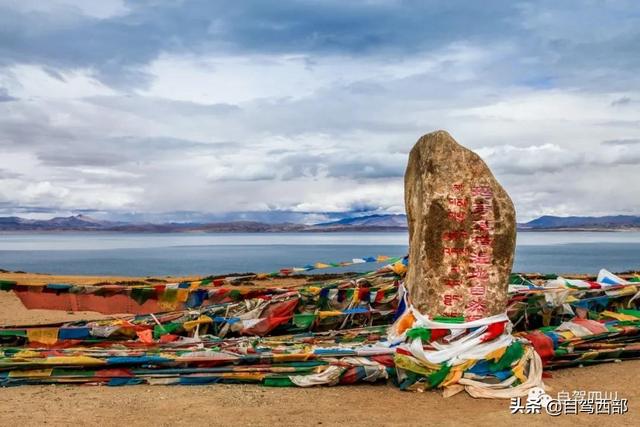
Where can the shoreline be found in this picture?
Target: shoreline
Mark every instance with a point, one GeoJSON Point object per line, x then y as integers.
{"type": "Point", "coordinates": [92, 279]}
{"type": "Point", "coordinates": [307, 231]}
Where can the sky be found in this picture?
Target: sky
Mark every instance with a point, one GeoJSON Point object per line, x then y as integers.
{"type": "Point", "coordinates": [306, 110]}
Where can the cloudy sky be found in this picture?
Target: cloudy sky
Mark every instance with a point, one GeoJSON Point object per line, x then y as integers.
{"type": "Point", "coordinates": [179, 109]}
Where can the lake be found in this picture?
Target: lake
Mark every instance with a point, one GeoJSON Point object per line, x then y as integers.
{"type": "Point", "coordinates": [206, 253]}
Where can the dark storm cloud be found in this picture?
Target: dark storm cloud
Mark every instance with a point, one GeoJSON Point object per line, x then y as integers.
{"type": "Point", "coordinates": [115, 45]}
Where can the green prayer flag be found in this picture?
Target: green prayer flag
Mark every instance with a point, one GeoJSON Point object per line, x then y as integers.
{"type": "Point", "coordinates": [444, 319]}
{"type": "Point", "coordinates": [168, 328]}
{"type": "Point", "coordinates": [7, 285]}
{"type": "Point", "coordinates": [423, 333]}
{"type": "Point", "coordinates": [13, 333]}
{"type": "Point", "coordinates": [141, 295]}
{"type": "Point", "coordinates": [513, 353]}
{"type": "Point", "coordinates": [303, 321]}
{"type": "Point", "coordinates": [278, 382]}
{"type": "Point", "coordinates": [630, 312]}
{"type": "Point", "coordinates": [437, 377]}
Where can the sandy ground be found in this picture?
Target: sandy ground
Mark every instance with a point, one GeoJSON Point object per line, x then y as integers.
{"type": "Point", "coordinates": [246, 405]}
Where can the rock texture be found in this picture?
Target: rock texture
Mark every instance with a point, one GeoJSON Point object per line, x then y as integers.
{"type": "Point", "coordinates": [462, 231]}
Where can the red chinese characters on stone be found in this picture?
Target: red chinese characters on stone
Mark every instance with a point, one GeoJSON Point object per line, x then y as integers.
{"type": "Point", "coordinates": [477, 306]}
{"type": "Point", "coordinates": [454, 282]}
{"type": "Point", "coordinates": [482, 225]}
{"type": "Point", "coordinates": [483, 239]}
{"type": "Point", "coordinates": [480, 250]}
{"type": "Point", "coordinates": [480, 258]}
{"type": "Point", "coordinates": [454, 235]}
{"type": "Point", "coordinates": [481, 207]}
{"type": "Point", "coordinates": [455, 251]}
{"type": "Point", "coordinates": [451, 299]}
{"type": "Point", "coordinates": [478, 273]}
{"type": "Point", "coordinates": [478, 290]}
{"type": "Point", "coordinates": [450, 312]}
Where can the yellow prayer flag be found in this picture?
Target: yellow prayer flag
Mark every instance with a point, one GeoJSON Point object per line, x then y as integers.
{"type": "Point", "coordinates": [191, 324]}
{"type": "Point", "coordinates": [26, 354]}
{"type": "Point", "coordinates": [495, 355]}
{"type": "Point", "coordinates": [452, 378]}
{"type": "Point", "coordinates": [589, 355]}
{"type": "Point", "coordinates": [399, 268]}
{"type": "Point", "coordinates": [183, 295]}
{"type": "Point", "coordinates": [31, 373]}
{"type": "Point", "coordinates": [73, 360]}
{"type": "Point", "coordinates": [619, 316]}
{"type": "Point", "coordinates": [324, 314]}
{"type": "Point", "coordinates": [47, 336]}
{"type": "Point", "coordinates": [292, 357]}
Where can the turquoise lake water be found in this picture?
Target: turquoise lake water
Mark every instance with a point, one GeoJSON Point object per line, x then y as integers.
{"type": "Point", "coordinates": [206, 253]}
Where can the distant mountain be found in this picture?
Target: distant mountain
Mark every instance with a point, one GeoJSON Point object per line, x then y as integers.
{"type": "Point", "coordinates": [86, 223]}
{"type": "Point", "coordinates": [370, 221]}
{"type": "Point", "coordinates": [544, 223]}
{"type": "Point", "coordinates": [355, 223]}
{"type": "Point", "coordinates": [617, 222]}
{"type": "Point", "coordinates": [218, 227]}
{"type": "Point", "coordinates": [76, 222]}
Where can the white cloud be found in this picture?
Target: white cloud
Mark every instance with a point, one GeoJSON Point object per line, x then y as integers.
{"type": "Point", "coordinates": [216, 127]}
{"type": "Point", "coordinates": [553, 106]}
{"type": "Point", "coordinates": [238, 79]}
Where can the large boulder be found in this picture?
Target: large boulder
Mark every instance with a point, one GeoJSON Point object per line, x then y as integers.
{"type": "Point", "coordinates": [462, 231]}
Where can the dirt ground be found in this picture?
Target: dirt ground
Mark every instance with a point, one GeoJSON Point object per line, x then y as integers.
{"type": "Point", "coordinates": [245, 405]}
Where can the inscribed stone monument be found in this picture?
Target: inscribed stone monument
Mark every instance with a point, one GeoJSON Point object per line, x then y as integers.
{"type": "Point", "coordinates": [462, 231]}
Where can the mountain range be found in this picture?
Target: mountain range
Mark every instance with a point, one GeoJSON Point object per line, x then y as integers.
{"type": "Point", "coordinates": [612, 222]}
{"type": "Point", "coordinates": [86, 223]}
{"type": "Point", "coordinates": [355, 223]}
